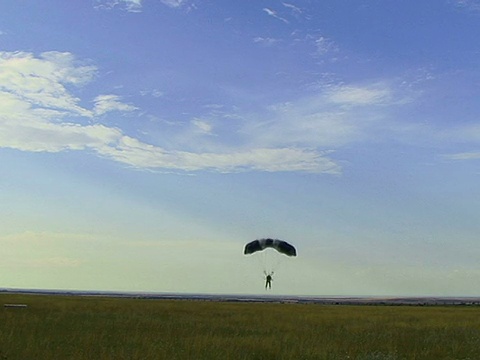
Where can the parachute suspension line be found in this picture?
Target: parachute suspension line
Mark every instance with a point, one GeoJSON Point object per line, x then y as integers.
{"type": "Point", "coordinates": [271, 260]}
{"type": "Point", "coordinates": [261, 261]}
{"type": "Point", "coordinates": [268, 261]}
{"type": "Point", "coordinates": [277, 260]}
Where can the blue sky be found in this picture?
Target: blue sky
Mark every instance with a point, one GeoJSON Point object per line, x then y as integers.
{"type": "Point", "coordinates": [144, 142]}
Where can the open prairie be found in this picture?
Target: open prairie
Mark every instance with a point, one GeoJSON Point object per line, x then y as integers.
{"type": "Point", "coordinates": [76, 327]}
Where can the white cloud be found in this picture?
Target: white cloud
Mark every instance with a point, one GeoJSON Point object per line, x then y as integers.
{"type": "Point", "coordinates": [107, 103]}
{"type": "Point", "coordinates": [133, 5]}
{"type": "Point", "coordinates": [42, 82]}
{"type": "Point", "coordinates": [173, 3]}
{"type": "Point", "coordinates": [137, 154]}
{"type": "Point", "coordinates": [40, 136]}
{"type": "Point", "coordinates": [202, 126]}
{"type": "Point", "coordinates": [38, 113]}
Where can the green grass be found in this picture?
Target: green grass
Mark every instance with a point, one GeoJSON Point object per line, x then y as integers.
{"type": "Point", "coordinates": [62, 327]}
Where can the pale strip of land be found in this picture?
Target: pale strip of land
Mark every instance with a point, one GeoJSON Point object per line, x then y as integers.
{"type": "Point", "coordinates": [268, 298]}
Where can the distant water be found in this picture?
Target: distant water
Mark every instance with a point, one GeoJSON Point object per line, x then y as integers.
{"type": "Point", "coordinates": [326, 300]}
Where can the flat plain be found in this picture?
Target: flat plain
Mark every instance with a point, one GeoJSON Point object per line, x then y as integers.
{"type": "Point", "coordinates": [96, 327]}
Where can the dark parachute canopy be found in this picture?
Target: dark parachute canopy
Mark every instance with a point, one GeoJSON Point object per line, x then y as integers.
{"type": "Point", "coordinates": [279, 245]}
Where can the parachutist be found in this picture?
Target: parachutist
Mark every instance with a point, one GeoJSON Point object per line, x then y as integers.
{"type": "Point", "coordinates": [268, 280]}
{"type": "Point", "coordinates": [280, 246]}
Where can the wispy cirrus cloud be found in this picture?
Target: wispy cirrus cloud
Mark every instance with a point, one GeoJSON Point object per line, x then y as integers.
{"type": "Point", "coordinates": [319, 46]}
{"type": "Point", "coordinates": [266, 41]}
{"type": "Point", "coordinates": [374, 94]}
{"type": "Point", "coordinates": [127, 5]}
{"type": "Point", "coordinates": [467, 5]}
{"type": "Point", "coordinates": [39, 113]}
{"type": "Point", "coordinates": [135, 6]}
{"type": "Point", "coordinates": [295, 9]}
{"type": "Point", "coordinates": [131, 151]}
{"type": "Point", "coordinates": [324, 46]}
{"type": "Point", "coordinates": [474, 155]}
{"type": "Point", "coordinates": [174, 3]}
{"type": "Point", "coordinates": [186, 5]}
{"type": "Point", "coordinates": [467, 134]}
{"type": "Point", "coordinates": [329, 118]}
{"type": "Point", "coordinates": [275, 15]}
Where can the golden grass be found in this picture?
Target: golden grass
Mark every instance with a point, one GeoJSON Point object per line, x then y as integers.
{"type": "Point", "coordinates": [62, 327]}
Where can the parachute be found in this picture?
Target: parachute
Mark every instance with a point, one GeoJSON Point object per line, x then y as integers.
{"type": "Point", "coordinates": [281, 246]}
{"type": "Point", "coordinates": [270, 253]}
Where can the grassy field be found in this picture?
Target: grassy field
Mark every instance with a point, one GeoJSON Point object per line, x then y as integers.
{"type": "Point", "coordinates": [62, 327]}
